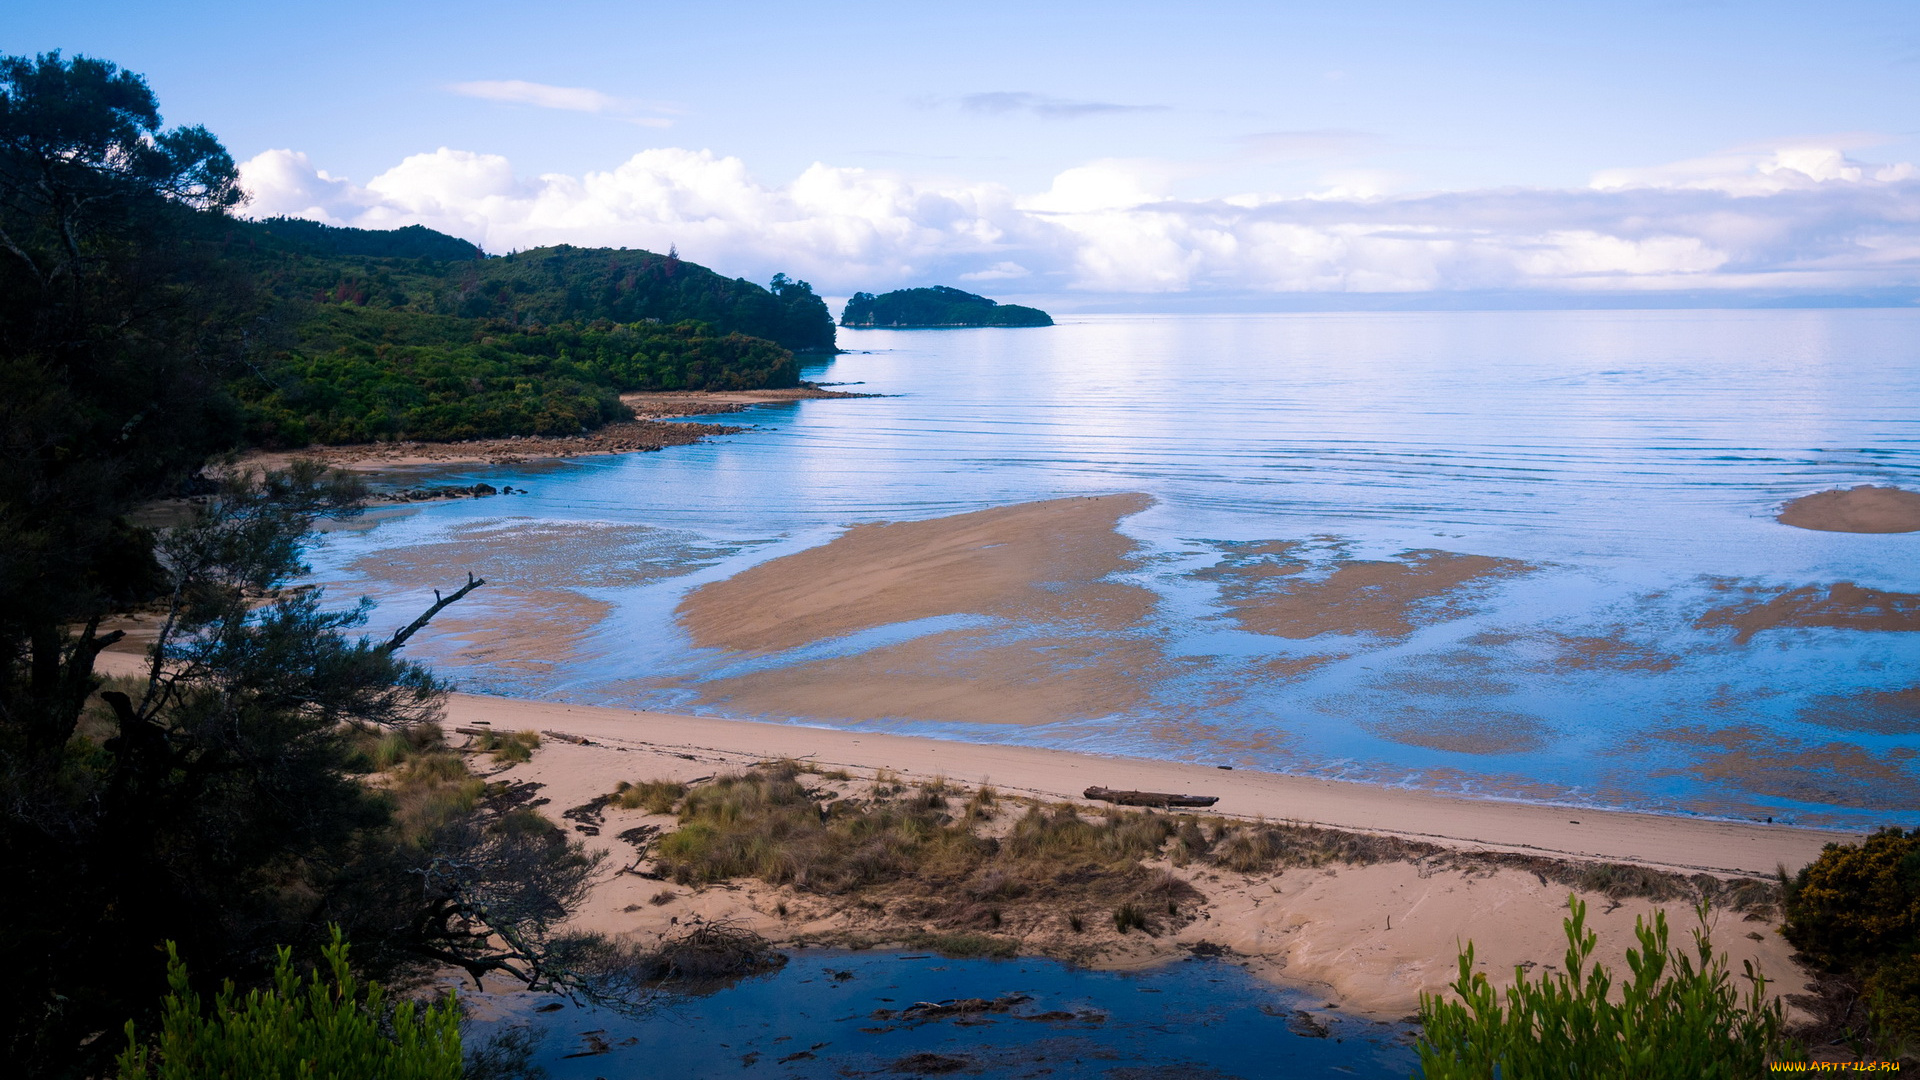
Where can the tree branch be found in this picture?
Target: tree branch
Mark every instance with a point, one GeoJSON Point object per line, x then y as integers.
{"type": "Point", "coordinates": [401, 635]}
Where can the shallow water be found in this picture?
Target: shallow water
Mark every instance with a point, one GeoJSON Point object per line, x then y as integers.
{"type": "Point", "coordinates": [1191, 1020]}
{"type": "Point", "coordinates": [1626, 465]}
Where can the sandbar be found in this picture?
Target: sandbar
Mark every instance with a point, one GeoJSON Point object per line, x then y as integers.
{"type": "Point", "coordinates": [1862, 509]}
{"type": "Point", "coordinates": [1037, 561]}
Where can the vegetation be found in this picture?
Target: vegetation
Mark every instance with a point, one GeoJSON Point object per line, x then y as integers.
{"type": "Point", "coordinates": [938, 306]}
{"type": "Point", "coordinates": [364, 374]}
{"type": "Point", "coordinates": [272, 772]}
{"type": "Point", "coordinates": [654, 796]}
{"type": "Point", "coordinates": [293, 1029]}
{"type": "Point", "coordinates": [1680, 1015]}
{"type": "Point", "coordinates": [1855, 911]}
{"type": "Point", "coordinates": [419, 271]}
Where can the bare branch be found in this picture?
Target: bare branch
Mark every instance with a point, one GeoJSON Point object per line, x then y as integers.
{"type": "Point", "coordinates": [401, 635]}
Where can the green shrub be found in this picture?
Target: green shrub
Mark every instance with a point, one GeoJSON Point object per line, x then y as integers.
{"type": "Point", "coordinates": [1856, 911]}
{"type": "Point", "coordinates": [315, 1028]}
{"type": "Point", "coordinates": [1680, 1015]}
{"type": "Point", "coordinates": [1860, 902]}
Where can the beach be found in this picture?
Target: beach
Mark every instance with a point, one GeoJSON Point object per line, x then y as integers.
{"type": "Point", "coordinates": [1371, 937]}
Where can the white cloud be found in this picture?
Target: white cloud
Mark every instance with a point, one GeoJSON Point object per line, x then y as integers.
{"type": "Point", "coordinates": [568, 98]}
{"type": "Point", "coordinates": [1000, 271]}
{"type": "Point", "coordinates": [1791, 217]}
{"type": "Point", "coordinates": [1047, 106]}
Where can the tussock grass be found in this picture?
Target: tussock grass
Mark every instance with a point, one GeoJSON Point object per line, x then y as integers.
{"type": "Point", "coordinates": [915, 856]}
{"type": "Point", "coordinates": [965, 946]}
{"type": "Point", "coordinates": [427, 781]}
{"type": "Point", "coordinates": [509, 747]}
{"type": "Point", "coordinates": [766, 824]}
{"type": "Point", "coordinates": [654, 796]}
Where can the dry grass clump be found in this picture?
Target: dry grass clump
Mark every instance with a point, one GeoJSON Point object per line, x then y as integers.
{"type": "Point", "coordinates": [1251, 849]}
{"type": "Point", "coordinates": [913, 855]}
{"type": "Point", "coordinates": [427, 781]}
{"type": "Point", "coordinates": [766, 824]}
{"type": "Point", "coordinates": [509, 747]}
{"type": "Point", "coordinates": [654, 796]}
{"type": "Point", "coordinates": [982, 804]}
{"type": "Point", "coordinates": [380, 749]}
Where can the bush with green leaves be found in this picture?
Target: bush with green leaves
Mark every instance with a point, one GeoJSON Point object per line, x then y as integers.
{"type": "Point", "coordinates": [1680, 1015]}
{"type": "Point", "coordinates": [333, 1026]}
{"type": "Point", "coordinates": [1856, 911]}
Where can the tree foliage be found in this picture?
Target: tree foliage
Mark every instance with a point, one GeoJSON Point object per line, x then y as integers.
{"type": "Point", "coordinates": [361, 374]}
{"type": "Point", "coordinates": [424, 272]}
{"type": "Point", "coordinates": [939, 306]}
{"type": "Point", "coordinates": [1680, 1015]}
{"type": "Point", "coordinates": [1856, 911]}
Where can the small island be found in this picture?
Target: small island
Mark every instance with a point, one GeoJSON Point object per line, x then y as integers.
{"type": "Point", "coordinates": [935, 308]}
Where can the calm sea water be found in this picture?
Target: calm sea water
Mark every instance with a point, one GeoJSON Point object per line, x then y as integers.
{"type": "Point", "coordinates": [1634, 460]}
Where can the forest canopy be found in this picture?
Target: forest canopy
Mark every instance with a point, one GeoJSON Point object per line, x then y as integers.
{"type": "Point", "coordinates": [412, 334]}
{"type": "Point", "coordinates": [939, 306]}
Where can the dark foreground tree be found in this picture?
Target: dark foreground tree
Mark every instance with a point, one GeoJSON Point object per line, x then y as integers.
{"type": "Point", "coordinates": [210, 800]}
{"type": "Point", "coordinates": [117, 324]}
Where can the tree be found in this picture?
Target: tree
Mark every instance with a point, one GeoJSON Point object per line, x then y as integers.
{"type": "Point", "coordinates": [117, 325]}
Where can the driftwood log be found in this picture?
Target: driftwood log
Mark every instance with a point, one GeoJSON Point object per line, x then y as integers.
{"type": "Point", "coordinates": [1148, 798]}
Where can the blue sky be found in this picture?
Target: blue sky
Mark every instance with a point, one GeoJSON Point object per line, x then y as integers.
{"type": "Point", "coordinates": [1125, 151]}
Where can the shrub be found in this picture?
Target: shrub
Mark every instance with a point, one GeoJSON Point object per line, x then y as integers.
{"type": "Point", "coordinates": [1679, 1016]}
{"type": "Point", "coordinates": [1856, 910]}
{"type": "Point", "coordinates": [1860, 902]}
{"type": "Point", "coordinates": [296, 1029]}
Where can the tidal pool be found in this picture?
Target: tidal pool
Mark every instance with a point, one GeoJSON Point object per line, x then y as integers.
{"type": "Point", "coordinates": [837, 1014]}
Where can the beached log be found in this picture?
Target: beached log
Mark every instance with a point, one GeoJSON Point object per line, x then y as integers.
{"type": "Point", "coordinates": [1148, 798]}
{"type": "Point", "coordinates": [577, 740]}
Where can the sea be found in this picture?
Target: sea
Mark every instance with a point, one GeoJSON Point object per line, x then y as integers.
{"type": "Point", "coordinates": [1624, 468]}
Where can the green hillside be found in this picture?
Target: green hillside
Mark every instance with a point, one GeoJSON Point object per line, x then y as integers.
{"type": "Point", "coordinates": [413, 334]}
{"type": "Point", "coordinates": [939, 306]}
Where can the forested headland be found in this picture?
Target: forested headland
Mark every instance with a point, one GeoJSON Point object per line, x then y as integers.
{"type": "Point", "coordinates": [933, 308]}
{"type": "Point", "coordinates": [412, 334]}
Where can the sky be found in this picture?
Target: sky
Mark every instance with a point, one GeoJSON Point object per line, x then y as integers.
{"type": "Point", "coordinates": [1100, 155]}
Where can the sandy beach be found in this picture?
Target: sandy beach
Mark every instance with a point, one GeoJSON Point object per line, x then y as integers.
{"type": "Point", "coordinates": [1371, 937]}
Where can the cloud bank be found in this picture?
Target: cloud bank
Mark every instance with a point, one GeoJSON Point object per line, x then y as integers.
{"type": "Point", "coordinates": [1802, 218]}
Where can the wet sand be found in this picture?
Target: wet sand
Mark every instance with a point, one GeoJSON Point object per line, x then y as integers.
{"type": "Point", "coordinates": [1273, 588]}
{"type": "Point", "coordinates": [1039, 562]}
{"type": "Point", "coordinates": [1862, 509]}
{"type": "Point", "coordinates": [1843, 605]}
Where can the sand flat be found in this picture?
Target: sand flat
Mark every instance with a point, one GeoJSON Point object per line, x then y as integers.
{"type": "Point", "coordinates": [1862, 509]}
{"type": "Point", "coordinates": [1037, 562]}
